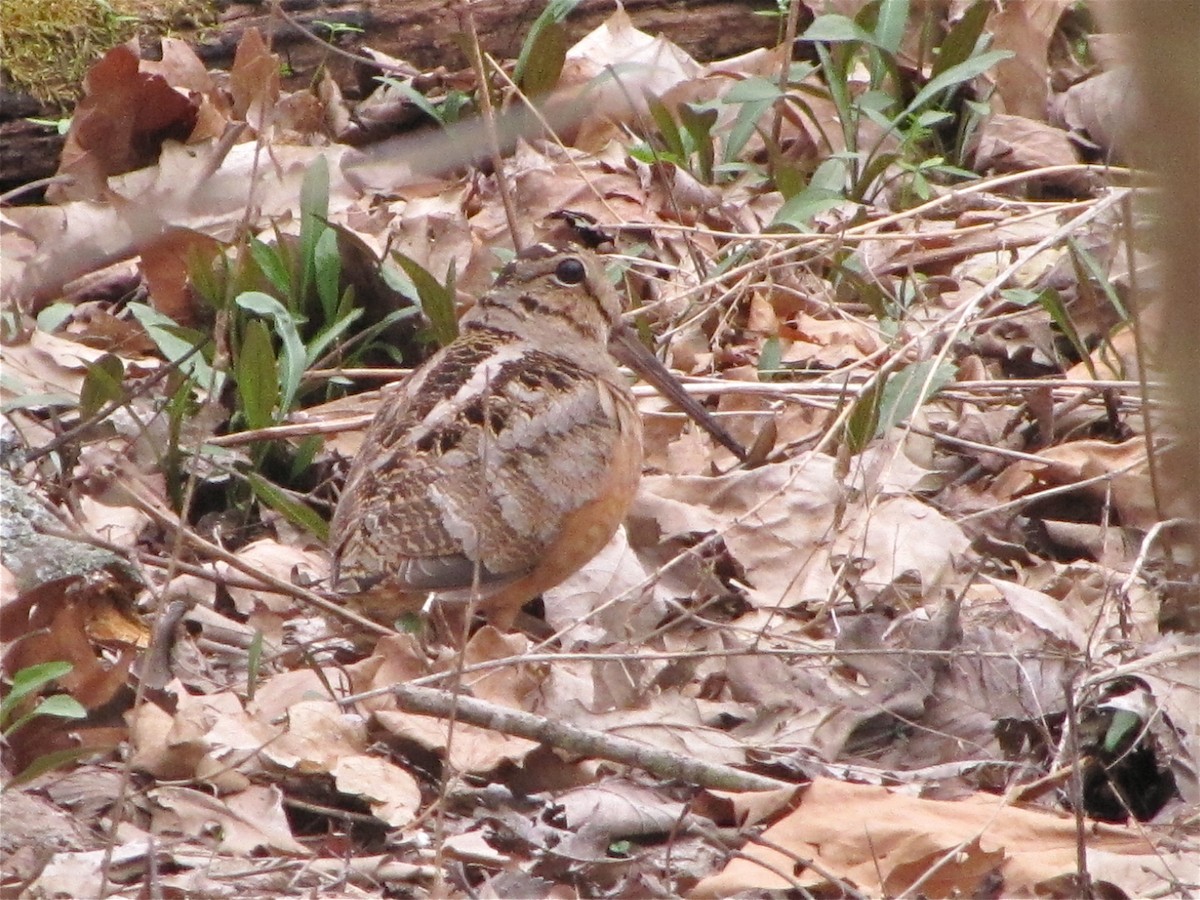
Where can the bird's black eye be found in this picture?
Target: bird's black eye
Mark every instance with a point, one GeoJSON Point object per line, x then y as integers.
{"type": "Point", "coordinates": [570, 271]}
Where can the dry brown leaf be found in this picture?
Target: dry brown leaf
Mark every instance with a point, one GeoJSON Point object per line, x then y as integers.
{"type": "Point", "coordinates": [396, 659]}
{"type": "Point", "coordinates": [47, 364]}
{"type": "Point", "coordinates": [280, 692]}
{"type": "Point", "coordinates": [883, 841]}
{"type": "Point", "coordinates": [505, 685]}
{"type": "Point", "coordinates": [613, 808]}
{"type": "Point", "coordinates": [167, 263]}
{"type": "Point", "coordinates": [184, 71]}
{"type": "Point", "coordinates": [1025, 29]}
{"type": "Point", "coordinates": [646, 63]}
{"type": "Point", "coordinates": [392, 793]}
{"type": "Point", "coordinates": [1131, 490]}
{"type": "Point", "coordinates": [472, 847]}
{"type": "Point", "coordinates": [254, 81]}
{"type": "Point", "coordinates": [829, 344]}
{"type": "Point", "coordinates": [209, 737]}
{"type": "Point", "coordinates": [781, 544]}
{"type": "Point", "coordinates": [240, 824]}
{"type": "Point", "coordinates": [778, 522]}
{"type": "Point", "coordinates": [125, 116]}
{"type": "Point", "coordinates": [1084, 589]}
{"type": "Point", "coordinates": [1015, 144]}
{"type": "Point", "coordinates": [1042, 610]}
{"type": "Point", "coordinates": [76, 874]}
{"type": "Point", "coordinates": [181, 191]}
{"type": "Point", "coordinates": [280, 560]}
{"type": "Point", "coordinates": [60, 628]}
{"type": "Point", "coordinates": [614, 572]}
{"type": "Point", "coordinates": [1102, 109]}
{"type": "Point", "coordinates": [318, 735]}
{"type": "Point", "coordinates": [474, 750]}
{"type": "Point", "coordinates": [751, 807]}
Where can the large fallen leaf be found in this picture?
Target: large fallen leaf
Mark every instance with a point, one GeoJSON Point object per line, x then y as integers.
{"type": "Point", "coordinates": [883, 842]}
{"type": "Point", "coordinates": [781, 524]}
{"type": "Point", "coordinates": [240, 823]}
{"type": "Point", "coordinates": [602, 603]}
{"type": "Point", "coordinates": [471, 749]}
{"type": "Point", "coordinates": [392, 793]}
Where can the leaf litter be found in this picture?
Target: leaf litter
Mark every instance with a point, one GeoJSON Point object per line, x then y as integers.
{"type": "Point", "coordinates": [945, 587]}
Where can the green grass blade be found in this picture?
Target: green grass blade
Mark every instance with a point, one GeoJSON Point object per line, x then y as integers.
{"type": "Point", "coordinates": [908, 389]}
{"type": "Point", "coordinates": [314, 210]}
{"type": "Point", "coordinates": [889, 28]}
{"type": "Point", "coordinates": [293, 357]}
{"type": "Point", "coordinates": [960, 43]}
{"type": "Point", "coordinates": [30, 680]}
{"type": "Point", "coordinates": [299, 514]}
{"type": "Point", "coordinates": [954, 76]}
{"type": "Point", "coordinates": [257, 376]}
{"type": "Point", "coordinates": [436, 299]}
{"type": "Point", "coordinates": [327, 270]}
{"type": "Point", "coordinates": [102, 384]}
{"type": "Point", "coordinates": [544, 49]}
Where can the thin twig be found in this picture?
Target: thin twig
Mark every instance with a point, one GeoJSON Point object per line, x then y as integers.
{"type": "Point", "coordinates": [1083, 883]}
{"type": "Point", "coordinates": [1144, 552]}
{"type": "Point", "coordinates": [1051, 492]}
{"type": "Point", "coordinates": [807, 863]}
{"type": "Point", "coordinates": [111, 407]}
{"type": "Point", "coordinates": [581, 741]}
{"type": "Point", "coordinates": [467, 18]}
{"type": "Point", "coordinates": [359, 59]}
{"type": "Point", "coordinates": [30, 186]}
{"type": "Point", "coordinates": [277, 584]}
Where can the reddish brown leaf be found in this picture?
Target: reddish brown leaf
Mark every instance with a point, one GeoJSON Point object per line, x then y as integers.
{"type": "Point", "coordinates": [126, 115]}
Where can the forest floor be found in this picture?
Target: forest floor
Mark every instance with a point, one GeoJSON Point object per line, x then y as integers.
{"type": "Point", "coordinates": [933, 638]}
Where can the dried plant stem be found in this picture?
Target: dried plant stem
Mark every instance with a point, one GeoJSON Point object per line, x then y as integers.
{"type": "Point", "coordinates": [785, 65]}
{"type": "Point", "coordinates": [330, 47]}
{"type": "Point", "coordinates": [1083, 880]}
{"type": "Point", "coordinates": [800, 862]}
{"type": "Point", "coordinates": [489, 126]}
{"type": "Point", "coordinates": [171, 524]}
{"type": "Point", "coordinates": [581, 741]}
{"type": "Point", "coordinates": [110, 407]}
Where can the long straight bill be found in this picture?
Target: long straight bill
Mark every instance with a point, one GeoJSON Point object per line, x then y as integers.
{"type": "Point", "coordinates": [631, 351]}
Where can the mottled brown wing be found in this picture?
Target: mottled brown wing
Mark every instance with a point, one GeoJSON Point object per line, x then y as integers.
{"type": "Point", "coordinates": [480, 477]}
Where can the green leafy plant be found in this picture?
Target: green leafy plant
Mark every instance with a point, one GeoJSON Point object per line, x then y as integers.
{"type": "Point", "coordinates": [684, 137]}
{"type": "Point", "coordinates": [906, 114]}
{"type": "Point", "coordinates": [452, 107]}
{"type": "Point", "coordinates": [16, 713]}
{"type": "Point", "coordinates": [283, 308]}
{"type": "Point", "coordinates": [26, 684]}
{"type": "Point", "coordinates": [436, 298]}
{"type": "Point", "coordinates": [287, 311]}
{"type": "Point", "coordinates": [892, 400]}
{"type": "Point", "coordinates": [61, 126]}
{"type": "Point", "coordinates": [544, 50]}
{"type": "Point", "coordinates": [1093, 285]}
{"type": "Point", "coordinates": [333, 29]}
{"type": "Point", "coordinates": [920, 130]}
{"type": "Point", "coordinates": [780, 13]}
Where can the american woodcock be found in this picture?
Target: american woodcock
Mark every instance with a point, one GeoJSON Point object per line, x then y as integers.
{"type": "Point", "coordinates": [510, 458]}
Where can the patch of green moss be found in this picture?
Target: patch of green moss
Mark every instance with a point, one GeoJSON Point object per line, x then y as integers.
{"type": "Point", "coordinates": [47, 46]}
